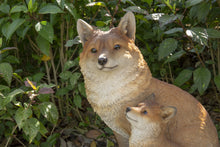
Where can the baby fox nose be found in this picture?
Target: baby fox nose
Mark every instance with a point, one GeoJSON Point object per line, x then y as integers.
{"type": "Point", "coordinates": [128, 109]}
{"type": "Point", "coordinates": [102, 60]}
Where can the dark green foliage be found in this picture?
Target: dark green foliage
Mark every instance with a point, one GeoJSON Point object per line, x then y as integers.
{"type": "Point", "coordinates": [40, 81]}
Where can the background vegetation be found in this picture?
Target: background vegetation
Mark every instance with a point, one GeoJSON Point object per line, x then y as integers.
{"type": "Point", "coordinates": [42, 95]}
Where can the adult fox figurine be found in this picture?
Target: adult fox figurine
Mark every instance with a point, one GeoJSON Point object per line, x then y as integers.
{"type": "Point", "coordinates": [116, 76]}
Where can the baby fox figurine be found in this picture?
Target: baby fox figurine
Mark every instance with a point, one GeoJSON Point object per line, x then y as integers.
{"type": "Point", "coordinates": [149, 124]}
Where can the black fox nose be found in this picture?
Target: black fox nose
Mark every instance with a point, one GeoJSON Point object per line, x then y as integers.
{"type": "Point", "coordinates": [128, 109]}
{"type": "Point", "coordinates": [102, 60]}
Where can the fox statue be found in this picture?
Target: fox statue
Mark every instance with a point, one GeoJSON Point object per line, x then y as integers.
{"type": "Point", "coordinates": [116, 76]}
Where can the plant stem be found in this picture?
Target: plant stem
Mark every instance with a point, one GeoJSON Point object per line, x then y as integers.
{"type": "Point", "coordinates": [11, 135]}
{"type": "Point", "coordinates": [171, 76]}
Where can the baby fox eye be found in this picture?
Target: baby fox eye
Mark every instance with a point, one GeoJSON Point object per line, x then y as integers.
{"type": "Point", "coordinates": [145, 112]}
{"type": "Point", "coordinates": [93, 50]}
{"type": "Point", "coordinates": [117, 47]}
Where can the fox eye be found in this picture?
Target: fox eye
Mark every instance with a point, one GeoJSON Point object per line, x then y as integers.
{"type": "Point", "coordinates": [145, 112]}
{"type": "Point", "coordinates": [93, 50]}
{"type": "Point", "coordinates": [117, 47]}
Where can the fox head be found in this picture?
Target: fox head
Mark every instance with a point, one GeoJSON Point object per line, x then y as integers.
{"type": "Point", "coordinates": [149, 116]}
{"type": "Point", "coordinates": [110, 51]}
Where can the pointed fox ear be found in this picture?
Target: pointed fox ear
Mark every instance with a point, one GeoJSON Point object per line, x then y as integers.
{"type": "Point", "coordinates": [127, 25]}
{"type": "Point", "coordinates": [167, 112]}
{"type": "Point", "coordinates": [84, 30]}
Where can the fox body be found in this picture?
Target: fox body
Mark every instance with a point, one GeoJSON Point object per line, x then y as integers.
{"type": "Point", "coordinates": [116, 76]}
{"type": "Point", "coordinates": [149, 124]}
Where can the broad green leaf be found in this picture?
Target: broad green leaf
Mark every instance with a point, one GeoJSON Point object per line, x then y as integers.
{"type": "Point", "coordinates": [136, 9]}
{"type": "Point", "coordinates": [200, 11]}
{"type": "Point", "coordinates": [62, 91]}
{"type": "Point", "coordinates": [217, 81]}
{"type": "Point", "coordinates": [149, 2]}
{"type": "Point", "coordinates": [74, 78]}
{"type": "Point", "coordinates": [4, 8]}
{"type": "Point", "coordinates": [77, 101]}
{"type": "Point", "coordinates": [13, 27]}
{"type": "Point", "coordinates": [50, 8]}
{"type": "Point", "coordinates": [183, 77]}
{"type": "Point", "coordinates": [102, 4]}
{"type": "Point", "coordinates": [38, 76]}
{"type": "Point", "coordinates": [44, 45]}
{"type": "Point", "coordinates": [11, 96]}
{"type": "Point", "coordinates": [70, 7]}
{"type": "Point", "coordinates": [43, 130]}
{"type": "Point", "coordinates": [3, 87]}
{"type": "Point", "coordinates": [65, 75]}
{"type": "Point", "coordinates": [100, 23]}
{"type": "Point", "coordinates": [21, 116]}
{"type": "Point", "coordinates": [82, 89]}
{"type": "Point", "coordinates": [6, 72]}
{"type": "Point", "coordinates": [166, 19]}
{"type": "Point", "coordinates": [190, 3]}
{"type": "Point", "coordinates": [168, 46]}
{"type": "Point", "coordinates": [69, 64]}
{"type": "Point", "coordinates": [49, 111]}
{"type": "Point", "coordinates": [212, 33]}
{"type": "Point", "coordinates": [51, 140]}
{"type": "Point", "coordinates": [175, 56]}
{"type": "Point", "coordinates": [61, 3]}
{"type": "Point", "coordinates": [45, 30]}
{"type": "Point", "coordinates": [198, 34]}
{"type": "Point", "coordinates": [174, 30]}
{"type": "Point", "coordinates": [201, 78]}
{"type": "Point", "coordinates": [70, 43]}
{"type": "Point", "coordinates": [31, 128]}
{"type": "Point", "coordinates": [11, 59]}
{"type": "Point", "coordinates": [19, 8]}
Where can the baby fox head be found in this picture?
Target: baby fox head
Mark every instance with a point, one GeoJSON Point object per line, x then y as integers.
{"type": "Point", "coordinates": [111, 50]}
{"type": "Point", "coordinates": [149, 117]}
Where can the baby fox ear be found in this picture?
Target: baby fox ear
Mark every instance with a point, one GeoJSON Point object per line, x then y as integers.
{"type": "Point", "coordinates": [84, 30]}
{"type": "Point", "coordinates": [127, 25]}
{"type": "Point", "coordinates": [167, 112]}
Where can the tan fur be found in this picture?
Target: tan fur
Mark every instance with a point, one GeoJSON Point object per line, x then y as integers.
{"type": "Point", "coordinates": [125, 80]}
{"type": "Point", "coordinates": [149, 125]}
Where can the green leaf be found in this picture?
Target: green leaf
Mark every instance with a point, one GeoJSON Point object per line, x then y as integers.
{"type": "Point", "coordinates": [190, 3]}
{"type": "Point", "coordinates": [13, 27]}
{"type": "Point", "coordinates": [49, 111]}
{"type": "Point", "coordinates": [201, 78]}
{"type": "Point", "coordinates": [11, 95]}
{"type": "Point", "coordinates": [78, 101]}
{"type": "Point", "coordinates": [44, 45]}
{"type": "Point", "coordinates": [69, 64]}
{"type": "Point", "coordinates": [212, 33]}
{"type": "Point", "coordinates": [200, 11]}
{"type": "Point", "coordinates": [19, 8]}
{"type": "Point", "coordinates": [198, 34]}
{"type": "Point", "coordinates": [102, 4]}
{"type": "Point", "coordinates": [175, 56]}
{"type": "Point", "coordinates": [51, 140]}
{"type": "Point", "coordinates": [65, 75]}
{"type": "Point", "coordinates": [43, 130]}
{"type": "Point", "coordinates": [31, 128]}
{"type": "Point", "coordinates": [174, 30]}
{"type": "Point", "coordinates": [136, 9]}
{"type": "Point", "coordinates": [74, 78]}
{"type": "Point", "coordinates": [166, 47]}
{"type": "Point", "coordinates": [183, 77]}
{"type": "Point", "coordinates": [21, 116]}
{"type": "Point", "coordinates": [45, 30]}
{"type": "Point", "coordinates": [82, 90]}
{"type": "Point", "coordinates": [50, 8]}
{"type": "Point", "coordinates": [217, 81]}
{"type": "Point", "coordinates": [38, 76]}
{"type": "Point", "coordinates": [6, 72]}
{"type": "Point", "coordinates": [70, 43]}
{"type": "Point", "coordinates": [70, 7]}
{"type": "Point", "coordinates": [12, 59]}
{"type": "Point", "coordinates": [4, 8]}
{"type": "Point", "coordinates": [3, 87]}
{"type": "Point", "coordinates": [166, 19]}
{"type": "Point", "coordinates": [62, 91]}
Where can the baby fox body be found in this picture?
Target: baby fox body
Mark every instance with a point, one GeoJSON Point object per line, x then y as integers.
{"type": "Point", "coordinates": [149, 124]}
{"type": "Point", "coordinates": [116, 77]}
